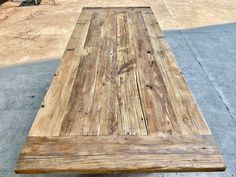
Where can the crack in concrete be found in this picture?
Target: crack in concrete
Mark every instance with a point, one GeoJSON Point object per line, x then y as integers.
{"type": "Point", "coordinates": [213, 85]}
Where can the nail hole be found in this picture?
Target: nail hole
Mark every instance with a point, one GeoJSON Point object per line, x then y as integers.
{"type": "Point", "coordinates": [149, 86]}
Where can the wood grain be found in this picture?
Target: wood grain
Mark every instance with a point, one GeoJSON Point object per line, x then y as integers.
{"type": "Point", "coordinates": [49, 119]}
{"type": "Point", "coordinates": [121, 153]}
{"type": "Point", "coordinates": [119, 103]}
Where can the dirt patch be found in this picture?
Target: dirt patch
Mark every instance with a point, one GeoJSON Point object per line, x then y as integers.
{"type": "Point", "coordinates": [26, 36]}
{"type": "Point", "coordinates": [6, 13]}
{"type": "Point", "coordinates": [34, 14]}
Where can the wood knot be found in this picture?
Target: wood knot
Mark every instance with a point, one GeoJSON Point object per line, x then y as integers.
{"type": "Point", "coordinates": [127, 67]}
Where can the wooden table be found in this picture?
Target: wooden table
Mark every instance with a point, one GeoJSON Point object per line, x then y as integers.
{"type": "Point", "coordinates": [119, 103]}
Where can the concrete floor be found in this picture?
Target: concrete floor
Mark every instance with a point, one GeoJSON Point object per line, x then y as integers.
{"type": "Point", "coordinates": [202, 35]}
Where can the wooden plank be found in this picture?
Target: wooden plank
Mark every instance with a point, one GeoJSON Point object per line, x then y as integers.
{"type": "Point", "coordinates": [121, 153]}
{"type": "Point", "coordinates": [49, 119]}
{"type": "Point", "coordinates": [158, 109]}
{"type": "Point", "coordinates": [119, 103]}
{"type": "Point", "coordinates": [132, 115]}
{"type": "Point", "coordinates": [188, 115]}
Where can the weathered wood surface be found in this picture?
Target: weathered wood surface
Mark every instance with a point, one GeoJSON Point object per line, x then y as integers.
{"type": "Point", "coordinates": [119, 103]}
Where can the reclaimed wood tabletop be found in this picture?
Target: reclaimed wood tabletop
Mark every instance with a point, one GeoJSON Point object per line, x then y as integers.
{"type": "Point", "coordinates": [119, 103]}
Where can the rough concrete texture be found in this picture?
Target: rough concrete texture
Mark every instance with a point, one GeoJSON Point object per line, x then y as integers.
{"type": "Point", "coordinates": [201, 34]}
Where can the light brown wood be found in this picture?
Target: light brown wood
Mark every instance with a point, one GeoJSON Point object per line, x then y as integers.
{"type": "Point", "coordinates": [119, 103]}
{"type": "Point", "coordinates": [104, 154]}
